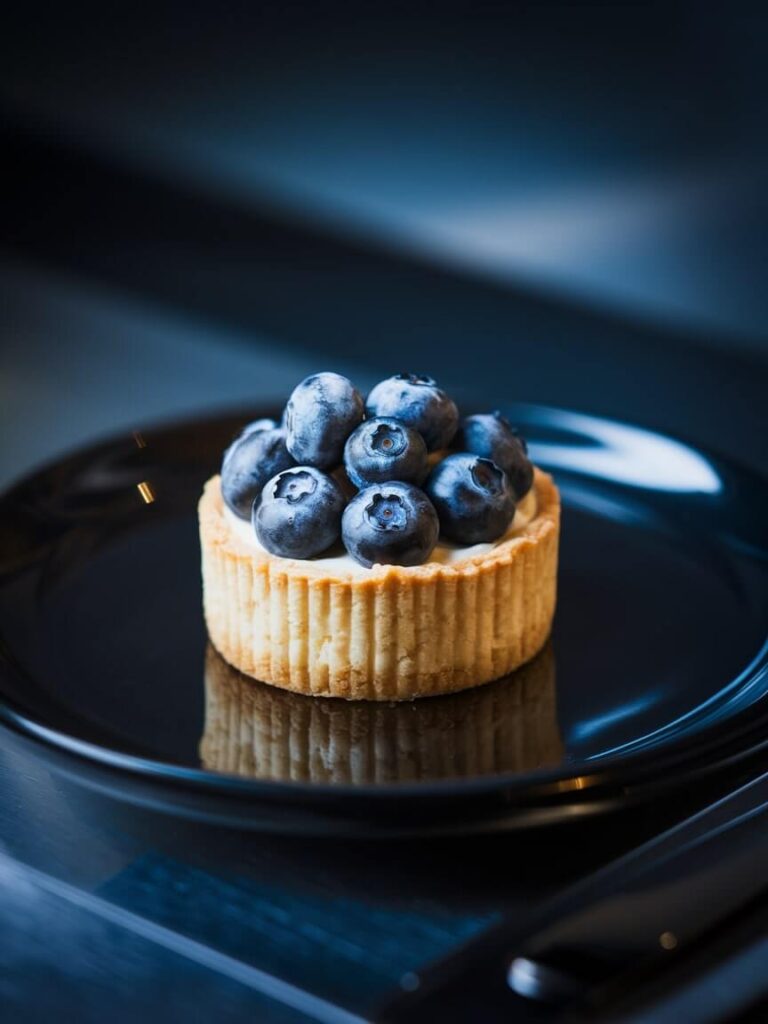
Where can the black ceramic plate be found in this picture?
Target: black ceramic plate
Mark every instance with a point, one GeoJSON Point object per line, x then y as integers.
{"type": "Point", "coordinates": [656, 673]}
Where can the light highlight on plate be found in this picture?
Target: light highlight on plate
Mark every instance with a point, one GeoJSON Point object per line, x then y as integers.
{"type": "Point", "coordinates": [625, 455]}
{"type": "Point", "coordinates": [740, 693]}
{"type": "Point", "coordinates": [595, 725]}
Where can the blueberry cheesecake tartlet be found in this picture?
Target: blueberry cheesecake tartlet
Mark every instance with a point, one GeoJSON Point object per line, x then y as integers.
{"type": "Point", "coordinates": [379, 549]}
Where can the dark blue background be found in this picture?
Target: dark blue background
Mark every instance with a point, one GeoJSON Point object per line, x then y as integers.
{"type": "Point", "coordinates": [549, 202]}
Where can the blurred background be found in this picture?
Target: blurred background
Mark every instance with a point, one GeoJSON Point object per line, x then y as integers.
{"type": "Point", "coordinates": [555, 203]}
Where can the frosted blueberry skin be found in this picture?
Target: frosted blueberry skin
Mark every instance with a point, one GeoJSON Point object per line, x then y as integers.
{"type": "Point", "coordinates": [263, 424]}
{"type": "Point", "coordinates": [299, 515]}
{"type": "Point", "coordinates": [384, 449]}
{"type": "Point", "coordinates": [391, 524]}
{"type": "Point", "coordinates": [320, 415]}
{"type": "Point", "coordinates": [419, 403]}
{"type": "Point", "coordinates": [252, 458]}
{"type": "Point", "coordinates": [491, 436]}
{"type": "Point", "coordinates": [473, 498]}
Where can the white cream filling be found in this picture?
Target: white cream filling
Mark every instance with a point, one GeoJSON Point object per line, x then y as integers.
{"type": "Point", "coordinates": [337, 561]}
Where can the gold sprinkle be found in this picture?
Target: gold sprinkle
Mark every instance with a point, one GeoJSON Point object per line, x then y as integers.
{"type": "Point", "coordinates": [139, 439]}
{"type": "Point", "coordinates": [146, 492]}
{"type": "Point", "coordinates": [668, 940]}
{"type": "Point", "coordinates": [580, 782]}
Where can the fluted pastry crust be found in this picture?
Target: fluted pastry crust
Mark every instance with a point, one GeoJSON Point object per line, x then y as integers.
{"type": "Point", "coordinates": [393, 633]}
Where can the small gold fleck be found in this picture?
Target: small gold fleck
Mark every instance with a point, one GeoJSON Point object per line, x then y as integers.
{"type": "Point", "coordinates": [580, 782]}
{"type": "Point", "coordinates": [139, 439]}
{"type": "Point", "coordinates": [146, 492]}
{"type": "Point", "coordinates": [668, 940]}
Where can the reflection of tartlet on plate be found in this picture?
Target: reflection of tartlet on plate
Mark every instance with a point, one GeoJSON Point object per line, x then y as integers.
{"type": "Point", "coordinates": [258, 731]}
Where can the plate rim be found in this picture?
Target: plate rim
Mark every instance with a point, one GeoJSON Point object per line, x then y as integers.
{"type": "Point", "coordinates": [582, 775]}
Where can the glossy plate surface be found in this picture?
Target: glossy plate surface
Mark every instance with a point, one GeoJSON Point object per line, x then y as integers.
{"type": "Point", "coordinates": [656, 671]}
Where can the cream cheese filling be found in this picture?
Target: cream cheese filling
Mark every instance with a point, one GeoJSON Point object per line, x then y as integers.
{"type": "Point", "coordinates": [337, 561]}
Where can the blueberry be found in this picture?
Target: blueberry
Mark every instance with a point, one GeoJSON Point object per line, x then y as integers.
{"type": "Point", "coordinates": [419, 403]}
{"type": "Point", "coordinates": [491, 436]}
{"type": "Point", "coordinates": [320, 415]}
{"type": "Point", "coordinates": [300, 513]}
{"type": "Point", "coordinates": [392, 524]}
{"type": "Point", "coordinates": [263, 424]}
{"type": "Point", "coordinates": [383, 449]}
{"type": "Point", "coordinates": [255, 456]}
{"type": "Point", "coordinates": [473, 498]}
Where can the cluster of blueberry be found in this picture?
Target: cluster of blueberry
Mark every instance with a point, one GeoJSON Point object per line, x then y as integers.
{"type": "Point", "coordinates": [287, 479]}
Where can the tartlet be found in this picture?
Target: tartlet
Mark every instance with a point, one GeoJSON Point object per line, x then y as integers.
{"type": "Point", "coordinates": [262, 732]}
{"type": "Point", "coordinates": [385, 633]}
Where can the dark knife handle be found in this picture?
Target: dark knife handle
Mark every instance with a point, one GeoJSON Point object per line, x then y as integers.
{"type": "Point", "coordinates": [613, 931]}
